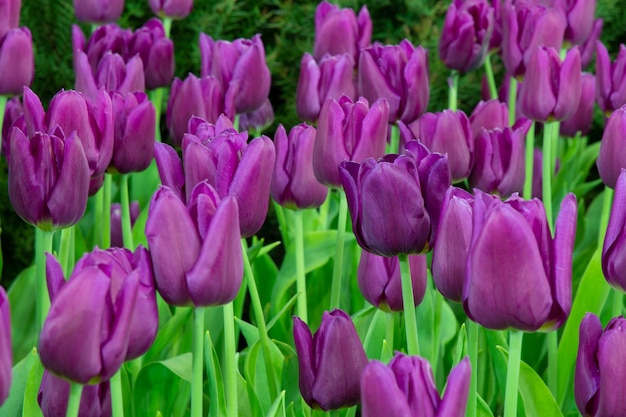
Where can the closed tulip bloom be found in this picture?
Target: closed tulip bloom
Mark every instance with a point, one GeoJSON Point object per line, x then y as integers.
{"type": "Point", "coordinates": [98, 11]}
{"type": "Point", "coordinates": [330, 362]}
{"type": "Point", "coordinates": [612, 156]}
{"type": "Point", "coordinates": [117, 240]}
{"type": "Point", "coordinates": [258, 119]}
{"type": "Point", "coordinates": [6, 352]}
{"type": "Point", "coordinates": [331, 78]}
{"type": "Point", "coordinates": [9, 15]}
{"type": "Point", "coordinates": [241, 70]}
{"type": "Point", "coordinates": [380, 283]}
{"type": "Point", "coordinates": [170, 168]}
{"type": "Point", "coordinates": [612, 250]}
{"type": "Point", "coordinates": [588, 48]}
{"type": "Point", "coordinates": [600, 378]}
{"type": "Point", "coordinates": [582, 118]}
{"type": "Point", "coordinates": [339, 31]}
{"type": "Point", "coordinates": [54, 393]}
{"type": "Point", "coordinates": [406, 387]}
{"type": "Point", "coordinates": [189, 268]}
{"type": "Point", "coordinates": [398, 73]}
{"type": "Point", "coordinates": [13, 113]}
{"type": "Point", "coordinates": [294, 185]}
{"type": "Point", "coordinates": [112, 74]}
{"type": "Point", "coordinates": [490, 114]}
{"type": "Point", "coordinates": [466, 34]}
{"type": "Point", "coordinates": [551, 89]}
{"type": "Point", "coordinates": [518, 276]}
{"type": "Point", "coordinates": [580, 19]}
{"type": "Point", "coordinates": [610, 79]}
{"type": "Point", "coordinates": [156, 52]}
{"type": "Point", "coordinates": [177, 9]}
{"type": "Point", "coordinates": [348, 131]}
{"type": "Point", "coordinates": [17, 61]}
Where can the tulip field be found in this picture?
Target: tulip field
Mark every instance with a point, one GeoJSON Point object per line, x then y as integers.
{"type": "Point", "coordinates": [426, 217]}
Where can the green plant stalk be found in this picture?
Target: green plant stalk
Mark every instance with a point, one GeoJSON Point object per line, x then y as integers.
{"type": "Point", "coordinates": [98, 202]}
{"type": "Point", "coordinates": [65, 250]}
{"type": "Point", "coordinates": [3, 106]}
{"type": "Point", "coordinates": [156, 96]}
{"type": "Point", "coordinates": [436, 323]}
{"type": "Point", "coordinates": [282, 223]}
{"type": "Point", "coordinates": [394, 143]}
{"type": "Point", "coordinates": [512, 374]}
{"type": "Point", "coordinates": [618, 302]}
{"type": "Point", "coordinates": [472, 349]}
{"type": "Point", "coordinates": [301, 305]}
{"type": "Point", "coordinates": [43, 244]}
{"type": "Point", "coordinates": [323, 213]}
{"type": "Point", "coordinates": [408, 303]}
{"type": "Point", "coordinates": [552, 339]}
{"type": "Point", "coordinates": [167, 25]}
{"type": "Point", "coordinates": [606, 214]}
{"type": "Point", "coordinates": [127, 229]}
{"type": "Point", "coordinates": [390, 317]}
{"type": "Point", "coordinates": [117, 398]}
{"type": "Point", "coordinates": [512, 100]}
{"type": "Point", "coordinates": [530, 156]}
{"type": "Point", "coordinates": [546, 173]}
{"type": "Point", "coordinates": [106, 215]}
{"type": "Point", "coordinates": [73, 403]}
{"type": "Point", "coordinates": [493, 91]}
{"type": "Point", "coordinates": [335, 291]}
{"type": "Point", "coordinates": [230, 361]}
{"type": "Point", "coordinates": [453, 91]}
{"type": "Point", "coordinates": [197, 361]}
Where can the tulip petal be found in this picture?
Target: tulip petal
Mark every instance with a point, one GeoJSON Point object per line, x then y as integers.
{"type": "Point", "coordinates": [454, 399]}
{"type": "Point", "coordinates": [612, 351]}
{"type": "Point", "coordinates": [380, 394]}
{"type": "Point", "coordinates": [587, 378]}
{"type": "Point", "coordinates": [170, 168]}
{"type": "Point", "coordinates": [303, 340]}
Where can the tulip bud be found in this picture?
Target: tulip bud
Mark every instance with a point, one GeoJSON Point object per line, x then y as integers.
{"type": "Point", "coordinates": [330, 362]}
{"type": "Point", "coordinates": [54, 393]}
{"type": "Point", "coordinates": [490, 114]}
{"type": "Point", "coordinates": [582, 118]}
{"type": "Point", "coordinates": [588, 48]}
{"type": "Point", "coordinates": [156, 52]}
{"type": "Point", "coordinates": [117, 240]}
{"type": "Point", "coordinates": [612, 155]}
{"type": "Point", "coordinates": [406, 387]}
{"type": "Point", "coordinates": [398, 73]}
{"type": "Point", "coordinates": [580, 19]}
{"type": "Point", "coordinates": [610, 79]}
{"type": "Point", "coordinates": [9, 15]}
{"type": "Point", "coordinates": [599, 376]}
{"type": "Point", "coordinates": [380, 282]}
{"type": "Point", "coordinates": [258, 119]}
{"type": "Point", "coordinates": [294, 185]}
{"type": "Point", "coordinates": [6, 352]}
{"type": "Point", "coordinates": [178, 9]}
{"type": "Point", "coordinates": [17, 61]}
{"type": "Point", "coordinates": [98, 11]}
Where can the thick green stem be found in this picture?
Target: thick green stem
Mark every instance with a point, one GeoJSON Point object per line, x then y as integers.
{"type": "Point", "coordinates": [618, 303]}
{"type": "Point", "coordinates": [394, 143]}
{"type": "Point", "coordinates": [301, 305]}
{"type": "Point", "coordinates": [43, 244]}
{"type": "Point", "coordinates": [197, 361]}
{"type": "Point", "coordinates": [127, 229]}
{"type": "Point", "coordinates": [167, 25]}
{"type": "Point", "coordinates": [335, 291]}
{"type": "Point", "coordinates": [73, 403]}
{"type": "Point", "coordinates": [3, 106]}
{"type": "Point", "coordinates": [106, 212]}
{"type": "Point", "coordinates": [512, 100]}
{"type": "Point", "coordinates": [472, 349]}
{"type": "Point", "coordinates": [606, 214]}
{"type": "Point", "coordinates": [409, 307]}
{"type": "Point", "coordinates": [156, 96]}
{"type": "Point", "coordinates": [530, 158]}
{"type": "Point", "coordinates": [493, 91]}
{"type": "Point", "coordinates": [512, 374]}
{"type": "Point", "coordinates": [390, 327]}
{"type": "Point", "coordinates": [117, 397]}
{"type": "Point", "coordinates": [552, 339]}
{"type": "Point", "coordinates": [98, 202]}
{"type": "Point", "coordinates": [454, 90]}
{"type": "Point", "coordinates": [323, 213]}
{"type": "Point", "coordinates": [230, 361]}
{"type": "Point", "coordinates": [546, 173]}
{"type": "Point", "coordinates": [65, 250]}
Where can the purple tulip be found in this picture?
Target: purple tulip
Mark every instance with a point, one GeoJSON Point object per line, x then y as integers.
{"type": "Point", "coordinates": [189, 268]}
{"type": "Point", "coordinates": [580, 121]}
{"type": "Point", "coordinates": [156, 52]}
{"type": "Point", "coordinates": [612, 250]}
{"type": "Point", "coordinates": [518, 276]}
{"type": "Point", "coordinates": [13, 116]}
{"type": "Point", "coordinates": [610, 79]}
{"type": "Point", "coordinates": [17, 61]}
{"type": "Point", "coordinates": [551, 89]}
{"type": "Point", "coordinates": [330, 362]}
{"type": "Point", "coordinates": [600, 377]}
{"type": "Point", "coordinates": [240, 69]}
{"type": "Point", "coordinates": [340, 31]}
{"type": "Point", "coordinates": [331, 78]}
{"type": "Point", "coordinates": [466, 34]}
{"type": "Point", "coordinates": [612, 156]}
{"type": "Point", "coordinates": [116, 222]}
{"type": "Point", "coordinates": [588, 48]}
{"type": "Point", "coordinates": [98, 11]}
{"type": "Point", "coordinates": [6, 352]}
{"type": "Point", "coordinates": [258, 119]}
{"type": "Point", "coordinates": [294, 185]}
{"type": "Point", "coordinates": [398, 73]}
{"type": "Point", "coordinates": [9, 15]}
{"type": "Point", "coordinates": [406, 387]}
{"type": "Point", "coordinates": [177, 9]}
{"type": "Point", "coordinates": [490, 114]}
{"type": "Point", "coordinates": [580, 20]}
{"type": "Point", "coordinates": [54, 393]}
{"type": "Point", "coordinates": [380, 282]}
{"type": "Point", "coordinates": [348, 131]}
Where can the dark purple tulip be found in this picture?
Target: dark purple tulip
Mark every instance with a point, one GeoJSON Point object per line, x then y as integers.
{"type": "Point", "coordinates": [582, 118]}
{"type": "Point", "coordinates": [9, 15]}
{"type": "Point", "coordinates": [116, 222]}
{"type": "Point", "coordinates": [6, 352]}
{"type": "Point", "coordinates": [156, 52]}
{"type": "Point", "coordinates": [330, 362]}
{"type": "Point", "coordinates": [466, 34]}
{"type": "Point", "coordinates": [331, 78]}
{"type": "Point", "coordinates": [294, 185]}
{"type": "Point", "coordinates": [610, 79]}
{"type": "Point", "coordinates": [446, 132]}
{"type": "Point", "coordinates": [398, 73]}
{"type": "Point", "coordinates": [380, 282]}
{"type": "Point", "coordinates": [339, 31]}
{"type": "Point", "coordinates": [258, 119]}
{"type": "Point", "coordinates": [600, 377]}
{"type": "Point", "coordinates": [17, 61]}
{"type": "Point", "coordinates": [406, 387]}
{"type": "Point", "coordinates": [98, 11]}
{"type": "Point", "coordinates": [551, 89]}
{"type": "Point", "coordinates": [170, 168]}
{"type": "Point", "coordinates": [240, 69]}
{"type": "Point", "coordinates": [518, 276]}
{"type": "Point", "coordinates": [453, 241]}
{"type": "Point", "coordinates": [348, 131]}
{"type": "Point", "coordinates": [612, 156]}
{"type": "Point", "coordinates": [189, 268]}
{"type": "Point", "coordinates": [588, 48]}
{"type": "Point", "coordinates": [613, 248]}
{"type": "Point", "coordinates": [13, 114]}
{"type": "Point", "coordinates": [490, 114]}
{"type": "Point", "coordinates": [580, 19]}
{"type": "Point", "coordinates": [54, 393]}
{"type": "Point", "coordinates": [177, 9]}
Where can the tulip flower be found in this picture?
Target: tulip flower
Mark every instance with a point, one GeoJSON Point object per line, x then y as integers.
{"type": "Point", "coordinates": [582, 118]}
{"type": "Point", "coordinates": [610, 79]}
{"type": "Point", "coordinates": [580, 20]}
{"type": "Point", "coordinates": [380, 283]}
{"type": "Point", "coordinates": [446, 132]}
{"type": "Point", "coordinates": [54, 392]}
{"type": "Point", "coordinates": [13, 114]}
{"type": "Point", "coordinates": [116, 222]}
{"type": "Point", "coordinates": [258, 119]}
{"type": "Point", "coordinates": [6, 352]}
{"type": "Point", "coordinates": [612, 250]}
{"type": "Point", "coordinates": [406, 387]}
{"type": "Point", "coordinates": [551, 89]}
{"type": "Point", "coordinates": [588, 48]}
{"type": "Point", "coordinates": [189, 268]}
{"type": "Point", "coordinates": [398, 73]}
{"type": "Point", "coordinates": [490, 114]}
{"type": "Point", "coordinates": [330, 362]}
{"type": "Point", "coordinates": [98, 11]}
{"type": "Point", "coordinates": [466, 34]}
{"type": "Point", "coordinates": [9, 15]}
{"type": "Point", "coordinates": [348, 131]}
{"type": "Point", "coordinates": [331, 78]}
{"type": "Point", "coordinates": [240, 69]}
{"type": "Point", "coordinates": [382, 226]}
{"type": "Point", "coordinates": [499, 166]}
{"type": "Point", "coordinates": [518, 276]}
{"type": "Point", "coordinates": [17, 61]}
{"type": "Point", "coordinates": [177, 9]}
{"type": "Point", "coordinates": [156, 52]}
{"type": "Point", "coordinates": [612, 156]}
{"type": "Point", "coordinates": [339, 31]}
{"type": "Point", "coordinates": [294, 185]}
{"type": "Point", "coordinates": [600, 376]}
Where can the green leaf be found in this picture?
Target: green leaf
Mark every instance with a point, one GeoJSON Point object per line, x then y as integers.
{"type": "Point", "coordinates": [278, 407]}
{"type": "Point", "coordinates": [144, 184]}
{"type": "Point", "coordinates": [139, 234]}
{"type": "Point", "coordinates": [162, 346]}
{"type": "Point", "coordinates": [217, 403]}
{"type": "Point", "coordinates": [282, 312]}
{"type": "Point", "coordinates": [23, 320]}
{"type": "Point", "coordinates": [482, 408]}
{"type": "Point", "coordinates": [31, 406]}
{"type": "Point", "coordinates": [250, 332]}
{"type": "Point", "coordinates": [14, 404]}
{"type": "Point", "coordinates": [255, 371]}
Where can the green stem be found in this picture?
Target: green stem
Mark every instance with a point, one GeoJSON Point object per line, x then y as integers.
{"type": "Point", "coordinates": [167, 25]}
{"type": "Point", "coordinates": [3, 106]}
{"type": "Point", "coordinates": [512, 374]}
{"type": "Point", "coordinates": [618, 303]}
{"type": "Point", "coordinates": [409, 307]}
{"type": "Point", "coordinates": [472, 349]}
{"type": "Point", "coordinates": [493, 91]}
{"type": "Point", "coordinates": [553, 362]}
{"type": "Point", "coordinates": [546, 173]}
{"type": "Point", "coordinates": [394, 144]}
{"type": "Point", "coordinates": [389, 328]}
{"type": "Point", "coordinates": [300, 270]}
{"type": "Point", "coordinates": [65, 250]}
{"type": "Point", "coordinates": [43, 244]}
{"type": "Point", "coordinates": [436, 324]}
{"type": "Point", "coordinates": [230, 361]}
{"type": "Point", "coordinates": [606, 214]}
{"type": "Point", "coordinates": [127, 230]}
{"type": "Point", "coordinates": [453, 91]}
{"type": "Point", "coordinates": [512, 100]}
{"type": "Point", "coordinates": [197, 361]}
{"type": "Point", "coordinates": [117, 398]}
{"type": "Point", "coordinates": [236, 122]}
{"type": "Point", "coordinates": [282, 223]}
{"type": "Point", "coordinates": [73, 403]}
{"type": "Point", "coordinates": [323, 213]}
{"type": "Point", "coordinates": [530, 158]}
{"type": "Point", "coordinates": [98, 201]}
{"type": "Point", "coordinates": [106, 212]}
{"type": "Point", "coordinates": [156, 96]}
{"type": "Point", "coordinates": [335, 292]}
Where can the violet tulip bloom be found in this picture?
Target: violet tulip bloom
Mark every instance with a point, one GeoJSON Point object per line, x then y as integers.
{"type": "Point", "coordinates": [331, 78]}
{"type": "Point", "coordinates": [600, 378]}
{"type": "Point", "coordinates": [588, 48]}
{"type": "Point", "coordinates": [330, 362]}
{"type": "Point", "coordinates": [17, 61]}
{"type": "Point", "coordinates": [398, 73]}
{"type": "Point", "coordinates": [380, 282]}
{"type": "Point", "coordinates": [189, 268]}
{"type": "Point", "coordinates": [490, 114]}
{"type": "Point", "coordinates": [177, 9]}
{"type": "Point", "coordinates": [13, 115]}
{"type": "Point", "coordinates": [98, 11]}
{"type": "Point", "coordinates": [551, 89]}
{"type": "Point", "coordinates": [406, 387]}
{"type": "Point", "coordinates": [240, 69]}
{"type": "Point", "coordinates": [466, 34]}
{"type": "Point", "coordinates": [339, 31]}
{"type": "Point", "coordinates": [612, 156]}
{"type": "Point", "coordinates": [610, 79]}
{"type": "Point", "coordinates": [580, 121]}
{"type": "Point", "coordinates": [613, 248]}
{"type": "Point", "coordinates": [518, 276]}
{"type": "Point", "coordinates": [6, 352]}
{"type": "Point", "coordinates": [258, 119]}
{"type": "Point", "coordinates": [9, 15]}
{"type": "Point", "coordinates": [348, 131]}
{"type": "Point", "coordinates": [580, 20]}
{"type": "Point", "coordinates": [54, 393]}
{"type": "Point", "coordinates": [117, 240]}
{"type": "Point", "coordinates": [156, 52]}
{"type": "Point", "coordinates": [294, 185]}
